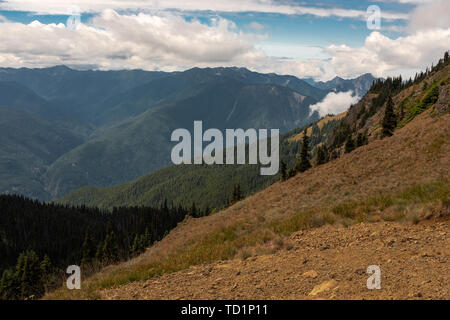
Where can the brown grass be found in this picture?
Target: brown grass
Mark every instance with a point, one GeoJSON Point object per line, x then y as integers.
{"type": "Point", "coordinates": [390, 179]}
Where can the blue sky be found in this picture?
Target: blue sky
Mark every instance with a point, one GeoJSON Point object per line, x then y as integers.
{"type": "Point", "coordinates": [321, 39]}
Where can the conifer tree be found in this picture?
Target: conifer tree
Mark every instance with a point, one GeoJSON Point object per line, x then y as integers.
{"type": "Point", "coordinates": [236, 196]}
{"type": "Point", "coordinates": [110, 249]}
{"type": "Point", "coordinates": [136, 246]}
{"type": "Point", "coordinates": [349, 145]}
{"type": "Point", "coordinates": [9, 286]}
{"type": "Point", "coordinates": [28, 272]}
{"type": "Point", "coordinates": [390, 120]}
{"type": "Point", "coordinates": [303, 163]}
{"type": "Point", "coordinates": [88, 249]}
{"type": "Point", "coordinates": [283, 172]}
{"type": "Point", "coordinates": [321, 155]}
{"type": "Point", "coordinates": [193, 211]}
{"type": "Point", "coordinates": [46, 271]}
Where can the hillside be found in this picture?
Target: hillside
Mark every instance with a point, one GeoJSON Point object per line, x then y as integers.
{"type": "Point", "coordinates": [123, 119]}
{"type": "Point", "coordinates": [359, 85]}
{"type": "Point", "coordinates": [28, 145]}
{"type": "Point", "coordinates": [185, 184]}
{"type": "Point", "coordinates": [400, 183]}
{"type": "Point", "coordinates": [334, 134]}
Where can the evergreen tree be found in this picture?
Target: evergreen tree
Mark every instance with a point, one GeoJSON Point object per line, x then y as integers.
{"type": "Point", "coordinates": [88, 249]}
{"type": "Point", "coordinates": [147, 238]}
{"type": "Point", "coordinates": [110, 249]}
{"type": "Point", "coordinates": [9, 286]}
{"type": "Point", "coordinates": [283, 172]}
{"type": "Point", "coordinates": [193, 211]}
{"type": "Point", "coordinates": [46, 271]}
{"type": "Point", "coordinates": [99, 256]}
{"type": "Point", "coordinates": [321, 155]}
{"type": "Point", "coordinates": [390, 120]}
{"type": "Point", "coordinates": [303, 163]}
{"type": "Point", "coordinates": [136, 247]}
{"type": "Point", "coordinates": [236, 196]}
{"type": "Point", "coordinates": [291, 172]}
{"type": "Point", "coordinates": [28, 272]}
{"type": "Point", "coordinates": [349, 145]}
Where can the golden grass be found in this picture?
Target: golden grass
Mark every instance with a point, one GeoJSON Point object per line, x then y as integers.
{"type": "Point", "coordinates": [390, 179]}
{"type": "Point", "coordinates": [320, 124]}
{"type": "Point", "coordinates": [238, 239]}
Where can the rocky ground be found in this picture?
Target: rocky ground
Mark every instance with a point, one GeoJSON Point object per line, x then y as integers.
{"type": "Point", "coordinates": [329, 262]}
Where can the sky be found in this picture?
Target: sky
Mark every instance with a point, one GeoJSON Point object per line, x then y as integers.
{"type": "Point", "coordinates": [318, 39]}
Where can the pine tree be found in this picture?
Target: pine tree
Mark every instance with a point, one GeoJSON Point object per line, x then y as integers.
{"type": "Point", "coordinates": [349, 145]}
{"type": "Point", "coordinates": [321, 155]}
{"type": "Point", "coordinates": [303, 163]}
{"type": "Point", "coordinates": [291, 172]}
{"type": "Point", "coordinates": [283, 172]}
{"type": "Point", "coordinates": [110, 249]}
{"type": "Point", "coordinates": [147, 239]}
{"type": "Point", "coordinates": [136, 246]}
{"type": "Point", "coordinates": [390, 120]}
{"type": "Point", "coordinates": [236, 196]}
{"type": "Point", "coordinates": [88, 249]}
{"type": "Point", "coordinates": [99, 256]}
{"type": "Point", "coordinates": [9, 286]}
{"type": "Point", "coordinates": [193, 211]}
{"type": "Point", "coordinates": [46, 271]}
{"type": "Point", "coordinates": [28, 272]}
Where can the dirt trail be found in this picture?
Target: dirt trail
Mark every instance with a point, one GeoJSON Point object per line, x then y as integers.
{"type": "Point", "coordinates": [329, 262]}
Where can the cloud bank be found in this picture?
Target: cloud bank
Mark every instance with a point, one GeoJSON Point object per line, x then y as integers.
{"type": "Point", "coordinates": [260, 6]}
{"type": "Point", "coordinates": [165, 40]}
{"type": "Point", "coordinates": [335, 103]}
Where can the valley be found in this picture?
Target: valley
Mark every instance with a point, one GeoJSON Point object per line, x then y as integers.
{"type": "Point", "coordinates": [123, 119]}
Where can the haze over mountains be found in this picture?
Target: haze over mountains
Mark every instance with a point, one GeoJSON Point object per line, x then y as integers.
{"type": "Point", "coordinates": [62, 129]}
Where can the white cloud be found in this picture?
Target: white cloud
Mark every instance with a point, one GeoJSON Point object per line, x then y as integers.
{"type": "Point", "coordinates": [166, 41]}
{"type": "Point", "coordinates": [114, 41]}
{"type": "Point", "coordinates": [383, 56]}
{"type": "Point", "coordinates": [335, 103]}
{"type": "Point", "coordinates": [255, 26]}
{"type": "Point", "coordinates": [263, 6]}
{"type": "Point", "coordinates": [430, 15]}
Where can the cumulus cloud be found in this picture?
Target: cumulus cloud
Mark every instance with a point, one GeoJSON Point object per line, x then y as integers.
{"type": "Point", "coordinates": [263, 6]}
{"type": "Point", "coordinates": [383, 56]}
{"type": "Point", "coordinates": [431, 15]}
{"type": "Point", "coordinates": [165, 40]}
{"type": "Point", "coordinates": [335, 103]}
{"type": "Point", "coordinates": [112, 40]}
{"type": "Point", "coordinates": [255, 25]}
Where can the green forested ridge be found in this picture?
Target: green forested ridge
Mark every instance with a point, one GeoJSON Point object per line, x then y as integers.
{"type": "Point", "coordinates": [207, 185]}
{"type": "Point", "coordinates": [352, 132]}
{"type": "Point", "coordinates": [142, 144]}
{"type": "Point", "coordinates": [38, 241]}
{"type": "Point", "coordinates": [123, 119]}
{"type": "Point", "coordinates": [211, 186]}
{"type": "Point", "coordinates": [359, 85]}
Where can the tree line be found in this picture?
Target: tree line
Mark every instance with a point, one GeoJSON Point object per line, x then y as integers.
{"type": "Point", "coordinates": [40, 240]}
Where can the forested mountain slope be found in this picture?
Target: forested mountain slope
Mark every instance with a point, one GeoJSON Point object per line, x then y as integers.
{"type": "Point", "coordinates": [402, 177]}
{"type": "Point", "coordinates": [123, 119]}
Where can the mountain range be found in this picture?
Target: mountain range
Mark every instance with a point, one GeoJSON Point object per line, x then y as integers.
{"type": "Point", "coordinates": [63, 129]}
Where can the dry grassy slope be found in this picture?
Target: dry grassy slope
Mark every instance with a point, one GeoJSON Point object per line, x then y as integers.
{"type": "Point", "coordinates": [322, 263]}
{"type": "Point", "coordinates": [320, 124]}
{"type": "Point", "coordinates": [417, 154]}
